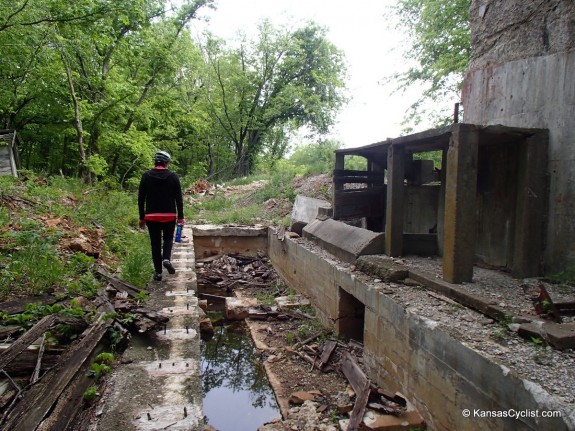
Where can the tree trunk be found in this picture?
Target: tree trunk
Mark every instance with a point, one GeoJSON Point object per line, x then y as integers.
{"type": "Point", "coordinates": [84, 171]}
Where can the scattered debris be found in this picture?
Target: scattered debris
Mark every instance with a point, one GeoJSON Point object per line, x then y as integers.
{"type": "Point", "coordinates": [46, 384]}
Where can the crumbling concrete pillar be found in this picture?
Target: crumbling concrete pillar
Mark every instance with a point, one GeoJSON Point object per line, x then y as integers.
{"type": "Point", "coordinates": [395, 201]}
{"type": "Point", "coordinates": [460, 204]}
{"type": "Point", "coordinates": [531, 206]}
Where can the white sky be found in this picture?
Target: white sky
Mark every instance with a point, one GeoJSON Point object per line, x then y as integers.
{"type": "Point", "coordinates": [362, 29]}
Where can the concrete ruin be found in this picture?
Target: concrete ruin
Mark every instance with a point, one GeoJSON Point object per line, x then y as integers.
{"type": "Point", "coordinates": [429, 212]}
{"type": "Point", "coordinates": [521, 75]}
{"type": "Point", "coordinates": [504, 195]}
{"type": "Point", "coordinates": [439, 374]}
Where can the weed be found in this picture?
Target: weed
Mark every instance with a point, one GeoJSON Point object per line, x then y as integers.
{"type": "Point", "coordinates": [566, 276]}
{"type": "Point", "coordinates": [290, 337]}
{"type": "Point", "coordinates": [97, 371]}
{"type": "Point", "coordinates": [499, 335]}
{"type": "Point", "coordinates": [137, 263]}
{"type": "Point", "coordinates": [104, 358]}
{"type": "Point", "coordinates": [142, 297]}
{"type": "Point", "coordinates": [264, 297]}
{"type": "Point", "coordinates": [90, 394]}
{"type": "Point", "coordinates": [304, 331]}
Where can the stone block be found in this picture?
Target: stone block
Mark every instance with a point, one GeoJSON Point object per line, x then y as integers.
{"type": "Point", "coordinates": [304, 211]}
{"type": "Point", "coordinates": [382, 267]}
{"type": "Point", "coordinates": [239, 308]}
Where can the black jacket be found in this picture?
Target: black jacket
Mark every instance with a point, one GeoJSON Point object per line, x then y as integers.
{"type": "Point", "coordinates": [160, 192]}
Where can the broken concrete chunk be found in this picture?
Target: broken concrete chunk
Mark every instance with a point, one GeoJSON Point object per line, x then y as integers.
{"type": "Point", "coordinates": [301, 396]}
{"type": "Point", "coordinates": [381, 267]}
{"type": "Point", "coordinates": [304, 211]}
{"type": "Point", "coordinates": [238, 308]}
{"type": "Point", "coordinates": [408, 421]}
{"type": "Point", "coordinates": [292, 301]}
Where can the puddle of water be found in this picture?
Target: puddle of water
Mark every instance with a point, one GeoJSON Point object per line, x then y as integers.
{"type": "Point", "coordinates": [237, 394]}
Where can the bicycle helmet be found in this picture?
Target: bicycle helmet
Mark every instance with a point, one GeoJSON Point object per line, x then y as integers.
{"type": "Point", "coordinates": [162, 156]}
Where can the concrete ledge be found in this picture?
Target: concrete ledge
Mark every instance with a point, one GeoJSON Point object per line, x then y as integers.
{"type": "Point", "coordinates": [211, 240]}
{"type": "Point", "coordinates": [344, 241]}
{"type": "Point", "coordinates": [452, 291]}
{"type": "Point", "coordinates": [229, 230]}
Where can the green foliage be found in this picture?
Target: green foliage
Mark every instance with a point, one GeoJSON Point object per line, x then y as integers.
{"type": "Point", "coordinates": [261, 90]}
{"type": "Point", "coordinates": [439, 46]}
{"type": "Point", "coordinates": [98, 370]}
{"type": "Point", "coordinates": [104, 358]}
{"type": "Point", "coordinates": [29, 262]}
{"type": "Point", "coordinates": [137, 266]}
{"type": "Point", "coordinates": [566, 276]}
{"type": "Point", "coordinates": [313, 159]}
{"type": "Point", "coordinates": [436, 156]}
{"type": "Point", "coordinates": [279, 186]}
{"type": "Point", "coordinates": [290, 337]}
{"type": "Point", "coordinates": [90, 394]}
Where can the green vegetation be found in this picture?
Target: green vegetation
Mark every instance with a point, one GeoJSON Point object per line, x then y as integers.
{"type": "Point", "coordinates": [90, 394]}
{"type": "Point", "coordinates": [438, 50]}
{"type": "Point", "coordinates": [40, 217]}
{"type": "Point", "coordinates": [95, 87]}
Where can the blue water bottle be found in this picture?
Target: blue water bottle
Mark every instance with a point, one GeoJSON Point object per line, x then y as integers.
{"type": "Point", "coordinates": [179, 232]}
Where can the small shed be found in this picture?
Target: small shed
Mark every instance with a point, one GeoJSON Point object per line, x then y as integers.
{"type": "Point", "coordinates": [9, 159]}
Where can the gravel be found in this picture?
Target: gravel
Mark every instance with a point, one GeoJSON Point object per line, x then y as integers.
{"type": "Point", "coordinates": [552, 369]}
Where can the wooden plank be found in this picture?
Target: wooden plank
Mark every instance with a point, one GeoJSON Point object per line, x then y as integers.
{"type": "Point", "coordinates": [360, 384]}
{"type": "Point", "coordinates": [38, 402]}
{"type": "Point", "coordinates": [18, 305]}
{"type": "Point", "coordinates": [25, 340]}
{"type": "Point", "coordinates": [327, 352]}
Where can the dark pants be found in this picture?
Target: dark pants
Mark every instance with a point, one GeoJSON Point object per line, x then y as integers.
{"type": "Point", "coordinates": [159, 231]}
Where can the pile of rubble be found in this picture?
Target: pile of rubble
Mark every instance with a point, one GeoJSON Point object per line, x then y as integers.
{"type": "Point", "coordinates": [237, 284]}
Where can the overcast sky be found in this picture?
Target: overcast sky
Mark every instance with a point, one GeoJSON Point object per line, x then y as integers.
{"type": "Point", "coordinates": [363, 30]}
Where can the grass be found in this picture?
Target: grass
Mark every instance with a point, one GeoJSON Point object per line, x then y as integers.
{"type": "Point", "coordinates": [34, 258]}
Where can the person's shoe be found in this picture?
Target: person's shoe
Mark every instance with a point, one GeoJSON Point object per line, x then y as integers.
{"type": "Point", "coordinates": [157, 277]}
{"type": "Point", "coordinates": [168, 265]}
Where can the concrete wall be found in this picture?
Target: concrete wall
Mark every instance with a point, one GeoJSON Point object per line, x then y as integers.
{"type": "Point", "coordinates": [522, 75]}
{"type": "Point", "coordinates": [421, 208]}
{"type": "Point", "coordinates": [403, 352]}
{"type": "Point", "coordinates": [211, 240]}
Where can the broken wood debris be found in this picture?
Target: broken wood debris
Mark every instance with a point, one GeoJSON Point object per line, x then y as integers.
{"type": "Point", "coordinates": [233, 271]}
{"type": "Point", "coordinates": [51, 393]}
{"type": "Point", "coordinates": [547, 308]}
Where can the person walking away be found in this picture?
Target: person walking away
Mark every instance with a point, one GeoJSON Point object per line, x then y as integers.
{"type": "Point", "coordinates": [160, 205]}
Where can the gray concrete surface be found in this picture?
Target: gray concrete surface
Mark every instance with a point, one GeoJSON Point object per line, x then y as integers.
{"type": "Point", "coordinates": [521, 75]}
{"type": "Point", "coordinates": [342, 240]}
{"type": "Point", "coordinates": [158, 385]}
{"type": "Point", "coordinates": [304, 211]}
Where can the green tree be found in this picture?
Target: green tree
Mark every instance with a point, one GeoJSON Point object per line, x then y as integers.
{"type": "Point", "coordinates": [261, 89]}
{"type": "Point", "coordinates": [315, 158]}
{"type": "Point", "coordinates": [440, 39]}
{"type": "Point", "coordinates": [84, 82]}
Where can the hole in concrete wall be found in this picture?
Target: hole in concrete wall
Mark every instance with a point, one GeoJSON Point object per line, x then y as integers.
{"type": "Point", "coordinates": [351, 316]}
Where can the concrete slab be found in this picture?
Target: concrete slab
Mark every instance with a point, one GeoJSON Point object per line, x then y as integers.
{"type": "Point", "coordinates": [159, 386]}
{"type": "Point", "coordinates": [304, 211]}
{"type": "Point", "coordinates": [382, 267]}
{"type": "Point", "coordinates": [344, 241]}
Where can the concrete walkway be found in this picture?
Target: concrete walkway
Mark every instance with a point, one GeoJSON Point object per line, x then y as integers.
{"type": "Point", "coordinates": [158, 386]}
